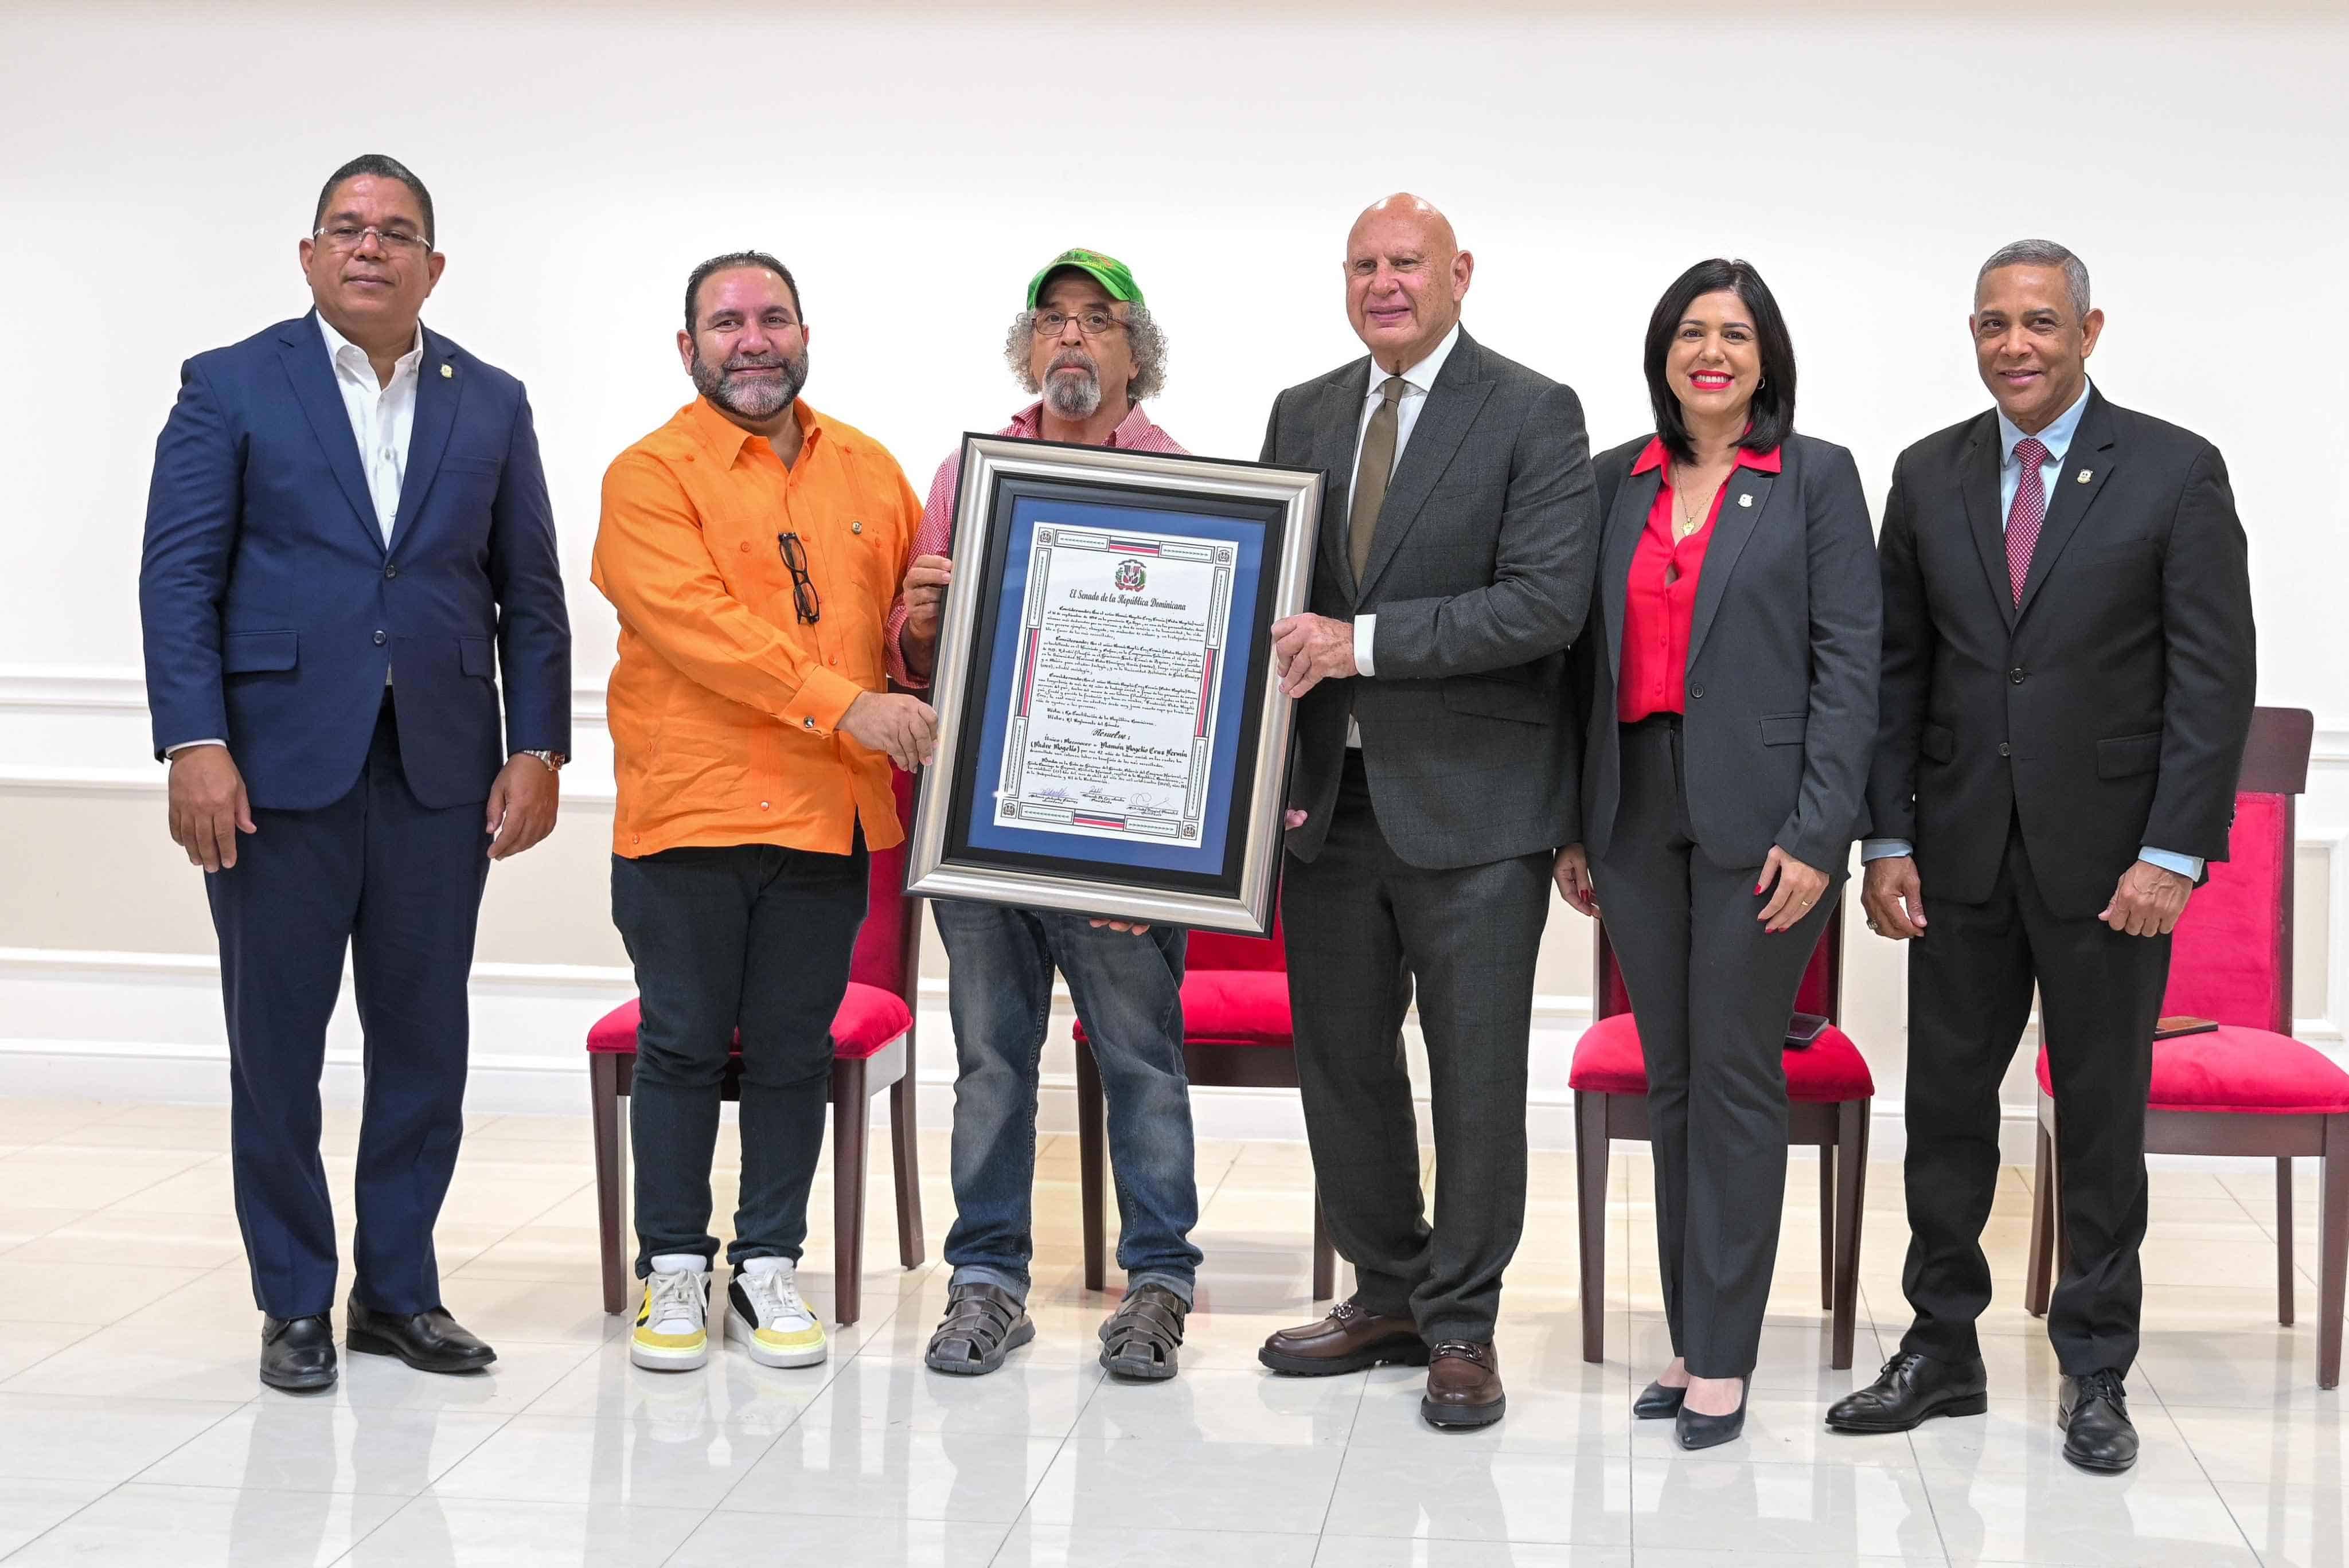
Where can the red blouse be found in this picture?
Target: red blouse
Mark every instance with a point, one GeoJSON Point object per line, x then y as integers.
{"type": "Point", "coordinates": [1662, 601]}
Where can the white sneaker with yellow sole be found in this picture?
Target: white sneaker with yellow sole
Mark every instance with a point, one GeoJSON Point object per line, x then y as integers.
{"type": "Point", "coordinates": [768, 1317]}
{"type": "Point", "coordinates": [673, 1325]}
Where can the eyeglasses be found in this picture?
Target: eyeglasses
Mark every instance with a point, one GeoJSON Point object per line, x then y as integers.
{"type": "Point", "coordinates": [350, 236]}
{"type": "Point", "coordinates": [1091, 323]}
{"type": "Point", "coordinates": [803, 594]}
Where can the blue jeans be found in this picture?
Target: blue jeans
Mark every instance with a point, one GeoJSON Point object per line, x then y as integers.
{"type": "Point", "coordinates": [1128, 991]}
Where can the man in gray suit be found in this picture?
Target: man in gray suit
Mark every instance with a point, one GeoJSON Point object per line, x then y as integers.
{"type": "Point", "coordinates": [1433, 779]}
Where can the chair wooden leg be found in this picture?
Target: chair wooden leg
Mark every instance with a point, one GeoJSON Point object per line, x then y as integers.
{"type": "Point", "coordinates": [1591, 1213]}
{"type": "Point", "coordinates": [2333, 1250]}
{"type": "Point", "coordinates": [906, 1157]}
{"type": "Point", "coordinates": [2042, 1224]}
{"type": "Point", "coordinates": [1325, 1253]}
{"type": "Point", "coordinates": [1850, 1207]}
{"type": "Point", "coordinates": [611, 1135]}
{"type": "Point", "coordinates": [850, 1111]}
{"type": "Point", "coordinates": [1827, 1226]}
{"type": "Point", "coordinates": [1092, 1137]}
{"type": "Point", "coordinates": [2284, 1240]}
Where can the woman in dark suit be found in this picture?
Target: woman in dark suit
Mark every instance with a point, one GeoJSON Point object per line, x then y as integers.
{"type": "Point", "coordinates": [1726, 684]}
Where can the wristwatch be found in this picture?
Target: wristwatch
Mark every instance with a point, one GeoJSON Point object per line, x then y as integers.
{"type": "Point", "coordinates": [553, 760]}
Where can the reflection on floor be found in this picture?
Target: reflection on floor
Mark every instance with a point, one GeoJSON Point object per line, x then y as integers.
{"type": "Point", "coordinates": [132, 1430]}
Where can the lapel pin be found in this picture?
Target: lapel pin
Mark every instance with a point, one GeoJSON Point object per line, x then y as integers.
{"type": "Point", "coordinates": [856, 528]}
{"type": "Point", "coordinates": [1745, 499]}
{"type": "Point", "coordinates": [448, 372]}
{"type": "Point", "coordinates": [2086, 474]}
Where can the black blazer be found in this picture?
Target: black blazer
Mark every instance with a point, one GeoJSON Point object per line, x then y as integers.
{"type": "Point", "coordinates": [1782, 665]}
{"type": "Point", "coordinates": [2108, 713]}
{"type": "Point", "coordinates": [1479, 574]}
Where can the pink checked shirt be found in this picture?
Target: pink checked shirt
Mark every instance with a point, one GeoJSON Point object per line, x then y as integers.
{"type": "Point", "coordinates": [934, 535]}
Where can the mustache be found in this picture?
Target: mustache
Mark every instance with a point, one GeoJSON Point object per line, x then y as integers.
{"type": "Point", "coordinates": [757, 362]}
{"type": "Point", "coordinates": [1072, 359]}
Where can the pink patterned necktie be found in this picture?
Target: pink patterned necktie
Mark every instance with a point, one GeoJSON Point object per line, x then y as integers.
{"type": "Point", "coordinates": [2023, 518]}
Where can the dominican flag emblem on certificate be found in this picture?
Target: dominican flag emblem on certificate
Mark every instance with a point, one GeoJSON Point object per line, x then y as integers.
{"type": "Point", "coordinates": [1112, 740]}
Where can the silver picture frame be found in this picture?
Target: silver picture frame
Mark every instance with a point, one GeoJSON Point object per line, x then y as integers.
{"type": "Point", "coordinates": [1281, 508]}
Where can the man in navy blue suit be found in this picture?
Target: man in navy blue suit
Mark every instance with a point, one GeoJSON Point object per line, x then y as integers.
{"type": "Point", "coordinates": [347, 539]}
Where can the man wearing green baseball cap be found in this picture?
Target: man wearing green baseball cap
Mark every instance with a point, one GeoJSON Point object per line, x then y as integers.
{"type": "Point", "coordinates": [1087, 346]}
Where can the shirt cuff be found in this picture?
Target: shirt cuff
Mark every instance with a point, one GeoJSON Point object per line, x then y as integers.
{"type": "Point", "coordinates": [171, 751]}
{"type": "Point", "coordinates": [1366, 632]}
{"type": "Point", "coordinates": [2187, 866]}
{"type": "Point", "coordinates": [821, 703]}
{"type": "Point", "coordinates": [1884, 849]}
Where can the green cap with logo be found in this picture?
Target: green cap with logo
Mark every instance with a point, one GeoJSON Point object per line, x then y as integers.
{"type": "Point", "coordinates": [1106, 271]}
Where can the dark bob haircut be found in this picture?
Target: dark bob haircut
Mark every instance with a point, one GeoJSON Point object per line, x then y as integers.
{"type": "Point", "coordinates": [379, 167]}
{"type": "Point", "coordinates": [726, 263]}
{"type": "Point", "coordinates": [1772, 410]}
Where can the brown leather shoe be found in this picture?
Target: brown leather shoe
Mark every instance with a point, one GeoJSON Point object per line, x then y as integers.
{"type": "Point", "coordinates": [1348, 1340]}
{"type": "Point", "coordinates": [1463, 1385]}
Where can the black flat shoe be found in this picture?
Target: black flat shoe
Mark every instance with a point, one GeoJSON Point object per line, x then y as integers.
{"type": "Point", "coordinates": [1658, 1403]}
{"type": "Point", "coordinates": [429, 1341]}
{"type": "Point", "coordinates": [297, 1353]}
{"type": "Point", "coordinates": [1910, 1390]}
{"type": "Point", "coordinates": [1692, 1430]}
{"type": "Point", "coordinates": [2097, 1433]}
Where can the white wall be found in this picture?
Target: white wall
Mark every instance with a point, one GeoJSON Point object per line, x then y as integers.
{"type": "Point", "coordinates": [157, 167]}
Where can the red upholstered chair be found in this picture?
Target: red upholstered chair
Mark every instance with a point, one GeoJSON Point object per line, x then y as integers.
{"type": "Point", "coordinates": [873, 1049]}
{"type": "Point", "coordinates": [1236, 1034]}
{"type": "Point", "coordinates": [2247, 1088]}
{"type": "Point", "coordinates": [1830, 1094]}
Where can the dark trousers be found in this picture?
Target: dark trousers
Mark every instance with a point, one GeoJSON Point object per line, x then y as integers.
{"type": "Point", "coordinates": [398, 886]}
{"type": "Point", "coordinates": [1711, 992]}
{"type": "Point", "coordinates": [1363, 928]}
{"type": "Point", "coordinates": [1969, 984]}
{"type": "Point", "coordinates": [747, 942]}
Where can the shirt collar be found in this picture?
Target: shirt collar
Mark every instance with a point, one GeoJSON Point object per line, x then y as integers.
{"type": "Point", "coordinates": [336, 343]}
{"type": "Point", "coordinates": [2056, 438]}
{"type": "Point", "coordinates": [1422, 375]}
{"type": "Point", "coordinates": [1029, 424]}
{"type": "Point", "coordinates": [725, 439]}
{"type": "Point", "coordinates": [1653, 454]}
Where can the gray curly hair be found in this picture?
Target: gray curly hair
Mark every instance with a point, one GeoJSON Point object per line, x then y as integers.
{"type": "Point", "coordinates": [1144, 333]}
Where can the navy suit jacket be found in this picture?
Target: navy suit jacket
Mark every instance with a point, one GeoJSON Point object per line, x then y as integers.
{"type": "Point", "coordinates": [271, 606]}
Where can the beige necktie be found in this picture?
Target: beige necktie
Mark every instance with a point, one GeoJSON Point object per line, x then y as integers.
{"type": "Point", "coordinates": [1371, 471]}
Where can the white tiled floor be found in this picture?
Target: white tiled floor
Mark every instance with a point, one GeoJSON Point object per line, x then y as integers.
{"type": "Point", "coordinates": [132, 1430]}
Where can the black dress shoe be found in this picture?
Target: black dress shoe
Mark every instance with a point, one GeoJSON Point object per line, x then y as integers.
{"type": "Point", "coordinates": [1692, 1429]}
{"type": "Point", "coordinates": [297, 1353]}
{"type": "Point", "coordinates": [429, 1341]}
{"type": "Point", "coordinates": [1658, 1403]}
{"type": "Point", "coordinates": [1912, 1389]}
{"type": "Point", "coordinates": [2094, 1413]}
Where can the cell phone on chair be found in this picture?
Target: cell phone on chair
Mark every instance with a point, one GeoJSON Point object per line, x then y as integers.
{"type": "Point", "coordinates": [1803, 1030]}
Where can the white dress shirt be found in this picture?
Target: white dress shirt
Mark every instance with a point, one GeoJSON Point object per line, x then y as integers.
{"type": "Point", "coordinates": [382, 415]}
{"type": "Point", "coordinates": [1416, 382]}
{"type": "Point", "coordinates": [383, 418]}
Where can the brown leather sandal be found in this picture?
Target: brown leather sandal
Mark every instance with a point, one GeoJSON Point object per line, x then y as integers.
{"type": "Point", "coordinates": [984, 1323]}
{"type": "Point", "coordinates": [1141, 1337]}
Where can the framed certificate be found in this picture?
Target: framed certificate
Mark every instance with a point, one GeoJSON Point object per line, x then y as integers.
{"type": "Point", "coordinates": [1111, 737]}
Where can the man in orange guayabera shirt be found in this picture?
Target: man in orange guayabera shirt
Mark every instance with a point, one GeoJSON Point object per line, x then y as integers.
{"type": "Point", "coordinates": [752, 548]}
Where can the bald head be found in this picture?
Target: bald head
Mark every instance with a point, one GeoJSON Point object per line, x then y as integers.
{"type": "Point", "coordinates": [1405, 277]}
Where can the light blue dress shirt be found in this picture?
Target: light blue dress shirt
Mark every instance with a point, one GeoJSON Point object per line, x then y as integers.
{"type": "Point", "coordinates": [2057, 438]}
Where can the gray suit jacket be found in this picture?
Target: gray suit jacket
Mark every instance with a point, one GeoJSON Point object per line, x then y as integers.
{"type": "Point", "coordinates": [1780, 719]}
{"type": "Point", "coordinates": [1479, 573]}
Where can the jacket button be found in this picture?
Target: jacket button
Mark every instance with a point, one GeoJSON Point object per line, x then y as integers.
{"type": "Point", "coordinates": [2004, 750]}
{"type": "Point", "coordinates": [380, 639]}
{"type": "Point", "coordinates": [391, 571]}
{"type": "Point", "coordinates": [2015, 675]}
{"type": "Point", "coordinates": [1696, 691]}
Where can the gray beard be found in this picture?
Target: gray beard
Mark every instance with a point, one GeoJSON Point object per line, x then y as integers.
{"type": "Point", "coordinates": [754, 402]}
{"type": "Point", "coordinates": [1071, 398]}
